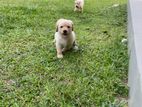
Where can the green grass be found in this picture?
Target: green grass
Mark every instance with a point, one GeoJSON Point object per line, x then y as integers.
{"type": "Point", "coordinates": [32, 76]}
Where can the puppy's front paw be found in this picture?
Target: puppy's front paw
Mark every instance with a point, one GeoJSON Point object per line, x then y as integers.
{"type": "Point", "coordinates": [60, 56]}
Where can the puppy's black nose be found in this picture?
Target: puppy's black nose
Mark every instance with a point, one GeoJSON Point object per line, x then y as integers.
{"type": "Point", "coordinates": [65, 31]}
{"type": "Point", "coordinates": [76, 6]}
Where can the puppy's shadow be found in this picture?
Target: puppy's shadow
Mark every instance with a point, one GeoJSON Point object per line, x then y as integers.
{"type": "Point", "coordinates": [73, 55]}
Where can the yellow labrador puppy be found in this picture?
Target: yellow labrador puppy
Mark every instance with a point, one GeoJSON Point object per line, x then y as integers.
{"type": "Point", "coordinates": [79, 4]}
{"type": "Point", "coordinates": [64, 37]}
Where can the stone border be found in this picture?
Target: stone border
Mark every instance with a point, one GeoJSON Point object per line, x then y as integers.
{"type": "Point", "coordinates": [135, 52]}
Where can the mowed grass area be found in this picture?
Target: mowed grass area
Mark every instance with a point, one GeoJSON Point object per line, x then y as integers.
{"type": "Point", "coordinates": [32, 76]}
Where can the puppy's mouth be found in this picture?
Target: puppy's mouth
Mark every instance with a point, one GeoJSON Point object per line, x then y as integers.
{"type": "Point", "coordinates": [65, 34]}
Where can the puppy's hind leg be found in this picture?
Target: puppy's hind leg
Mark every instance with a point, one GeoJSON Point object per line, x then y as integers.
{"type": "Point", "coordinates": [75, 47]}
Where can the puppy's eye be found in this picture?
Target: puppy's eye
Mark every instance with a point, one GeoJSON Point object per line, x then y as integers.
{"type": "Point", "coordinates": [68, 26]}
{"type": "Point", "coordinates": [61, 26]}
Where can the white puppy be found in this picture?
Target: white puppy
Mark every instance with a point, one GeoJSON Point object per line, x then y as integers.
{"type": "Point", "coordinates": [79, 5]}
{"type": "Point", "coordinates": [64, 37]}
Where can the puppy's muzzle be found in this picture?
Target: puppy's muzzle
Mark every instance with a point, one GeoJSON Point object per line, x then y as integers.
{"type": "Point", "coordinates": [77, 7]}
{"type": "Point", "coordinates": [65, 32]}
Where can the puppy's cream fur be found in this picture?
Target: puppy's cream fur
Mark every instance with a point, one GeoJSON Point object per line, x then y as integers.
{"type": "Point", "coordinates": [64, 36]}
{"type": "Point", "coordinates": [79, 4]}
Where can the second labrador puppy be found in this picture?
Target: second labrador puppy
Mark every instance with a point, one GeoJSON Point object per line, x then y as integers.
{"type": "Point", "coordinates": [64, 37]}
{"type": "Point", "coordinates": [79, 4]}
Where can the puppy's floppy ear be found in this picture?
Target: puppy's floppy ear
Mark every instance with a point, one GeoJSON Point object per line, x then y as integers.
{"type": "Point", "coordinates": [57, 24]}
{"type": "Point", "coordinates": [57, 27]}
{"type": "Point", "coordinates": [71, 24]}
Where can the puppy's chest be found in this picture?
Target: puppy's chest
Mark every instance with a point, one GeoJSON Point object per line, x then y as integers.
{"type": "Point", "coordinates": [67, 43]}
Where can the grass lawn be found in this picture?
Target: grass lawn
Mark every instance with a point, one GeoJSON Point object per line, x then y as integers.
{"type": "Point", "coordinates": [32, 76]}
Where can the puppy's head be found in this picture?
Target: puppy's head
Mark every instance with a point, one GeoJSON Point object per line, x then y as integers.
{"type": "Point", "coordinates": [65, 27]}
{"type": "Point", "coordinates": [77, 4]}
